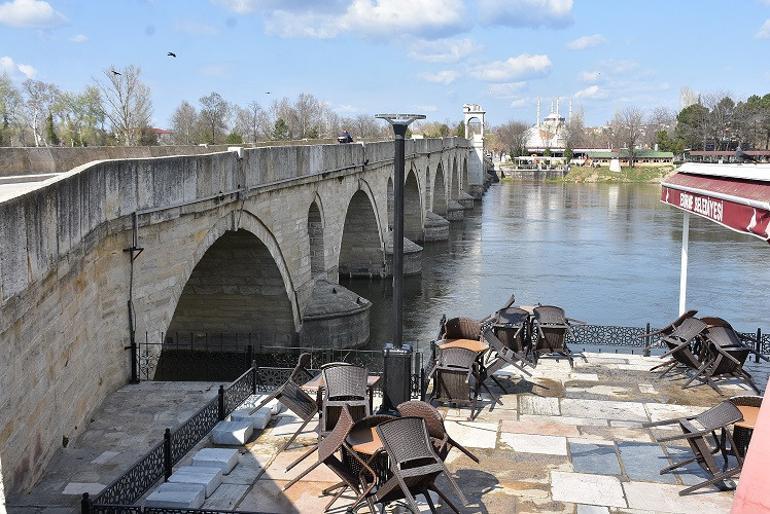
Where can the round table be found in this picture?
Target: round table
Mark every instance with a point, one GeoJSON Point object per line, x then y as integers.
{"type": "Point", "coordinates": [468, 344]}
{"type": "Point", "coordinates": [365, 440]}
{"type": "Point", "coordinates": [743, 429]}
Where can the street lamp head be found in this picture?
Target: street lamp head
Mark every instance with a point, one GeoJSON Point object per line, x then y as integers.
{"type": "Point", "coordinates": [400, 119]}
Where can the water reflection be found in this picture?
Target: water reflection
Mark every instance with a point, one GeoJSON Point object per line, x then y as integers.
{"type": "Point", "coordinates": [608, 253]}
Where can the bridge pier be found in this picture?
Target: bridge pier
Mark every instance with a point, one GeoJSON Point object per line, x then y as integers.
{"type": "Point", "coordinates": [412, 257]}
{"type": "Point", "coordinates": [454, 211]}
{"type": "Point", "coordinates": [436, 227]}
{"type": "Point", "coordinates": [335, 317]}
{"type": "Point", "coordinates": [466, 200]}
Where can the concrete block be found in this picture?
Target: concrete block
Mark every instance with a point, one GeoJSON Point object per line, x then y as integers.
{"type": "Point", "coordinates": [258, 420]}
{"type": "Point", "coordinates": [223, 458]}
{"type": "Point", "coordinates": [177, 496]}
{"type": "Point", "coordinates": [208, 477]}
{"type": "Point", "coordinates": [231, 432]}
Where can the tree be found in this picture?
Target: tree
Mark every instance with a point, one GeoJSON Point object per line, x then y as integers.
{"type": "Point", "coordinates": [234, 138]}
{"type": "Point", "coordinates": [39, 101]}
{"type": "Point", "coordinates": [213, 116]}
{"type": "Point", "coordinates": [513, 136]}
{"type": "Point", "coordinates": [10, 100]}
{"type": "Point", "coordinates": [50, 131]}
{"type": "Point", "coordinates": [691, 125]}
{"type": "Point", "coordinates": [253, 122]}
{"type": "Point", "coordinates": [630, 124]}
{"type": "Point", "coordinates": [280, 130]}
{"type": "Point", "coordinates": [306, 116]}
{"type": "Point", "coordinates": [183, 124]}
{"type": "Point", "coordinates": [659, 119]}
{"type": "Point", "coordinates": [460, 129]}
{"type": "Point", "coordinates": [126, 103]}
{"type": "Point", "coordinates": [82, 117]}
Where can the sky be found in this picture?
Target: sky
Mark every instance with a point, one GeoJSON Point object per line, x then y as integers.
{"type": "Point", "coordinates": [426, 56]}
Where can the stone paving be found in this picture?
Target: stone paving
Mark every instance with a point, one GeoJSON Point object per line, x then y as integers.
{"type": "Point", "coordinates": [563, 441]}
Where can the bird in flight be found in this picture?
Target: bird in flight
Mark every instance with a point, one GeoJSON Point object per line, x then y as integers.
{"type": "Point", "coordinates": [267, 92]}
{"type": "Point", "coordinates": [115, 72]}
{"type": "Point", "coordinates": [171, 54]}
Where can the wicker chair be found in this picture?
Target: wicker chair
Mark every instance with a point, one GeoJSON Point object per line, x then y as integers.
{"type": "Point", "coordinates": [552, 328]}
{"type": "Point", "coordinates": [725, 356]}
{"type": "Point", "coordinates": [695, 430]}
{"type": "Point", "coordinates": [413, 464]}
{"type": "Point", "coordinates": [500, 357]}
{"type": "Point", "coordinates": [461, 328]}
{"type": "Point", "coordinates": [351, 469]}
{"type": "Point", "coordinates": [668, 329]}
{"type": "Point", "coordinates": [679, 343]}
{"type": "Point", "coordinates": [442, 441]}
{"type": "Point", "coordinates": [452, 378]}
{"type": "Point", "coordinates": [511, 327]}
{"type": "Point", "coordinates": [345, 386]}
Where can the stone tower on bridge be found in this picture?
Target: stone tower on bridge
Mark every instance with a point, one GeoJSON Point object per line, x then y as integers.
{"type": "Point", "coordinates": [474, 132]}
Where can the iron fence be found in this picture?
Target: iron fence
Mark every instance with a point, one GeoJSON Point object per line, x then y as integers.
{"type": "Point", "coordinates": [157, 464]}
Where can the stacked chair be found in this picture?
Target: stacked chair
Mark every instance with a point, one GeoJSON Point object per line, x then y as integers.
{"type": "Point", "coordinates": [452, 375]}
{"type": "Point", "coordinates": [706, 349]}
{"type": "Point", "coordinates": [552, 327]}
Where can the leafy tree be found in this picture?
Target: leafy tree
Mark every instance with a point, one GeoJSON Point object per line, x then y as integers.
{"type": "Point", "coordinates": [234, 138]}
{"type": "Point", "coordinates": [183, 124]}
{"type": "Point", "coordinates": [50, 131]}
{"type": "Point", "coordinates": [10, 101]}
{"type": "Point", "coordinates": [82, 117]}
{"type": "Point", "coordinates": [691, 125]}
{"type": "Point", "coordinates": [280, 130]}
{"type": "Point", "coordinates": [568, 154]}
{"type": "Point", "coordinates": [39, 101]}
{"type": "Point", "coordinates": [547, 152]}
{"type": "Point", "coordinates": [460, 129]}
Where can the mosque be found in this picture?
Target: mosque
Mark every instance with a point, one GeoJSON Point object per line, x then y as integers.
{"type": "Point", "coordinates": [550, 133]}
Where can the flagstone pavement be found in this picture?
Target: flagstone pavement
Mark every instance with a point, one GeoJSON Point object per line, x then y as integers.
{"type": "Point", "coordinates": [566, 440]}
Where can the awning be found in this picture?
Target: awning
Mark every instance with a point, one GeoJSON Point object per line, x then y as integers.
{"type": "Point", "coordinates": [737, 196]}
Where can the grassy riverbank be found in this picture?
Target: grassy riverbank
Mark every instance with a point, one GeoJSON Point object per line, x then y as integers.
{"type": "Point", "coordinates": [579, 174]}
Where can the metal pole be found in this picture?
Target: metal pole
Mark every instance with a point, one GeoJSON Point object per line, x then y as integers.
{"type": "Point", "coordinates": [683, 265]}
{"type": "Point", "coordinates": [399, 130]}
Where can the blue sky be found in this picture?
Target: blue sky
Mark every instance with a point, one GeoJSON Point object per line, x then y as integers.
{"type": "Point", "coordinates": [431, 56]}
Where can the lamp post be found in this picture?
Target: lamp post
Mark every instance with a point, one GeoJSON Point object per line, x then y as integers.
{"type": "Point", "coordinates": [399, 122]}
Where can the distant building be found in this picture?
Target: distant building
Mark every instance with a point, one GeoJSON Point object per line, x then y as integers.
{"type": "Point", "coordinates": [724, 156]}
{"type": "Point", "coordinates": [649, 158]}
{"type": "Point", "coordinates": [549, 133]}
{"type": "Point", "coordinates": [164, 136]}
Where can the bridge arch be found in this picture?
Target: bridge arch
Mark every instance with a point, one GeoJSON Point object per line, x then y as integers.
{"type": "Point", "coordinates": [315, 234]}
{"type": "Point", "coordinates": [413, 224]}
{"type": "Point", "coordinates": [238, 283]}
{"type": "Point", "coordinates": [454, 189]}
{"type": "Point", "coordinates": [362, 252]}
{"type": "Point", "coordinates": [439, 192]}
{"type": "Point", "coordinates": [428, 188]}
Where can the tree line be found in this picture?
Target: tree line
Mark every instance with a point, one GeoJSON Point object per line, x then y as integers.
{"type": "Point", "coordinates": [713, 122]}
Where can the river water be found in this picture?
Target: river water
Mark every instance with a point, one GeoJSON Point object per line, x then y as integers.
{"type": "Point", "coordinates": [607, 253]}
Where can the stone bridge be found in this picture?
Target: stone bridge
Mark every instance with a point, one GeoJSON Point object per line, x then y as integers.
{"type": "Point", "coordinates": [249, 240]}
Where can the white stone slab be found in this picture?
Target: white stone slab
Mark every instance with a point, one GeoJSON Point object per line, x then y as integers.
{"type": "Point", "coordinates": [105, 457]}
{"type": "Point", "coordinates": [603, 490]}
{"type": "Point", "coordinates": [222, 458]}
{"type": "Point", "coordinates": [473, 434]}
{"type": "Point", "coordinates": [78, 488]}
{"type": "Point", "coordinates": [647, 389]}
{"type": "Point", "coordinates": [258, 420]}
{"type": "Point", "coordinates": [231, 432]}
{"type": "Point", "coordinates": [592, 509]}
{"type": "Point", "coordinates": [530, 404]}
{"type": "Point", "coordinates": [543, 444]}
{"type": "Point", "coordinates": [208, 477]}
{"type": "Point", "coordinates": [585, 377]}
{"type": "Point", "coordinates": [177, 496]}
{"type": "Point", "coordinates": [662, 411]}
{"type": "Point", "coordinates": [566, 420]}
{"type": "Point", "coordinates": [665, 498]}
{"type": "Point", "coordinates": [628, 411]}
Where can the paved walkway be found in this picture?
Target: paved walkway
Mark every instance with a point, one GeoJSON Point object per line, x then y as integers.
{"type": "Point", "coordinates": [127, 425]}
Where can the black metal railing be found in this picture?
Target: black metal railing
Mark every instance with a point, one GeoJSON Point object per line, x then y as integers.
{"type": "Point", "coordinates": [157, 464]}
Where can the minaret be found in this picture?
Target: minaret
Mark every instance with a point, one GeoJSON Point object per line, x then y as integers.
{"type": "Point", "coordinates": [569, 116]}
{"type": "Point", "coordinates": [557, 106]}
{"type": "Point", "coordinates": [537, 121]}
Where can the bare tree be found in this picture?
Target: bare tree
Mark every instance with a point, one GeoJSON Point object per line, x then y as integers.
{"type": "Point", "coordinates": [10, 102]}
{"type": "Point", "coordinates": [213, 116]}
{"type": "Point", "coordinates": [513, 137]}
{"type": "Point", "coordinates": [252, 122]}
{"type": "Point", "coordinates": [82, 116]}
{"type": "Point", "coordinates": [40, 99]}
{"type": "Point", "coordinates": [307, 116]}
{"type": "Point", "coordinates": [629, 127]}
{"type": "Point", "coordinates": [660, 119]}
{"type": "Point", "coordinates": [126, 102]}
{"type": "Point", "coordinates": [183, 124]}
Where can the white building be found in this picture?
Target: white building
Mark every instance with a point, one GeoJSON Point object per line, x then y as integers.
{"type": "Point", "coordinates": [550, 132]}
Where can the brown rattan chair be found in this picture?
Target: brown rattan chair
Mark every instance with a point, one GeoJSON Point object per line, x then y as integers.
{"type": "Point", "coordinates": [667, 330]}
{"type": "Point", "coordinates": [452, 378]}
{"type": "Point", "coordinates": [351, 469]}
{"type": "Point", "coordinates": [511, 327]}
{"type": "Point", "coordinates": [695, 430]}
{"type": "Point", "coordinates": [725, 356]}
{"type": "Point", "coordinates": [553, 326]}
{"type": "Point", "coordinates": [679, 343]}
{"type": "Point", "coordinates": [442, 441]}
{"type": "Point", "coordinates": [498, 358]}
{"type": "Point", "coordinates": [461, 328]}
{"type": "Point", "coordinates": [413, 464]}
{"type": "Point", "coordinates": [345, 386]}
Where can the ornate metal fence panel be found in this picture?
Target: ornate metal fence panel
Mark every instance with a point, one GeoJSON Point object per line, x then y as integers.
{"type": "Point", "coordinates": [611, 335]}
{"type": "Point", "coordinates": [184, 438]}
{"type": "Point", "coordinates": [132, 484]}
{"type": "Point", "coordinates": [239, 390]}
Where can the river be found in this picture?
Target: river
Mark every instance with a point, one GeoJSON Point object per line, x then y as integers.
{"type": "Point", "coordinates": [607, 253]}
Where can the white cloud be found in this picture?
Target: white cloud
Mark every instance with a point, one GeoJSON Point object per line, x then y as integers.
{"type": "Point", "coordinates": [30, 13]}
{"type": "Point", "coordinates": [521, 66]}
{"type": "Point", "coordinates": [591, 92]}
{"type": "Point", "coordinates": [13, 69]}
{"type": "Point", "coordinates": [590, 76]}
{"type": "Point", "coordinates": [195, 28]}
{"type": "Point", "coordinates": [526, 13]}
{"type": "Point", "coordinates": [764, 30]}
{"type": "Point", "coordinates": [584, 42]}
{"type": "Point", "coordinates": [506, 89]}
{"type": "Point", "coordinates": [80, 38]}
{"type": "Point", "coordinates": [443, 50]}
{"type": "Point", "coordinates": [619, 65]}
{"type": "Point", "coordinates": [445, 77]}
{"type": "Point", "coordinates": [376, 18]}
{"type": "Point", "coordinates": [520, 102]}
